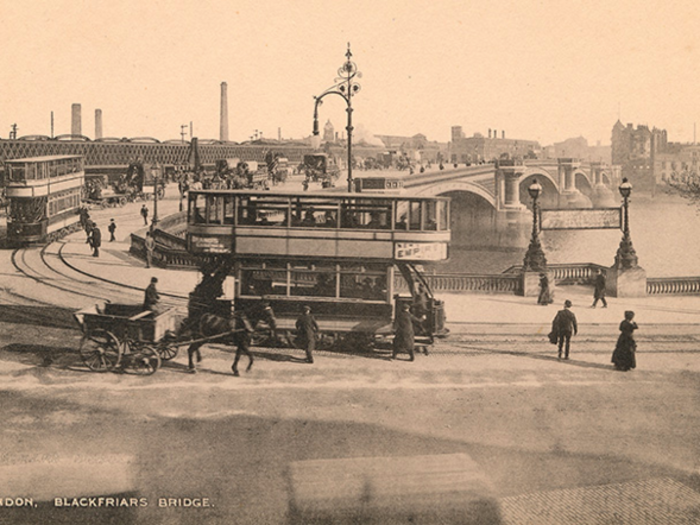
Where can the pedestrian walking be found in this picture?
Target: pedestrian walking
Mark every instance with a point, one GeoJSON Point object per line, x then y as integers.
{"type": "Point", "coordinates": [112, 228]}
{"type": "Point", "coordinates": [307, 330]}
{"type": "Point", "coordinates": [144, 214]}
{"type": "Point", "coordinates": [624, 356]}
{"type": "Point", "coordinates": [405, 337]}
{"type": "Point", "coordinates": [546, 296]}
{"type": "Point", "coordinates": [564, 326]}
{"type": "Point", "coordinates": [150, 244]}
{"type": "Point", "coordinates": [151, 296]}
{"type": "Point", "coordinates": [599, 289]}
{"type": "Point", "coordinates": [95, 240]}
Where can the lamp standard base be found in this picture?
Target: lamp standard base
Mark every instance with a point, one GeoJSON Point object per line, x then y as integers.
{"type": "Point", "coordinates": [531, 283]}
{"type": "Point", "coordinates": [626, 282]}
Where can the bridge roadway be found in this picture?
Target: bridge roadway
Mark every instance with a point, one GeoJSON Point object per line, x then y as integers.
{"type": "Point", "coordinates": [564, 443]}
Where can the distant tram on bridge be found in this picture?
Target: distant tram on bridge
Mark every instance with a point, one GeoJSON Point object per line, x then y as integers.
{"type": "Point", "coordinates": [335, 252]}
{"type": "Point", "coordinates": [44, 196]}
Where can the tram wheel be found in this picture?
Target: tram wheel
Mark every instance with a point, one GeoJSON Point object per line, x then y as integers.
{"type": "Point", "coordinates": [100, 350]}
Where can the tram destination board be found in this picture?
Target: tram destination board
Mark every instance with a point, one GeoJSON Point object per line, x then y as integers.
{"type": "Point", "coordinates": [213, 244]}
{"type": "Point", "coordinates": [581, 219]}
{"type": "Point", "coordinates": [420, 251]}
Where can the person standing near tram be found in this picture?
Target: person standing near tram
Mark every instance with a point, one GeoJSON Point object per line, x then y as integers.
{"type": "Point", "coordinates": [307, 330]}
{"type": "Point", "coordinates": [405, 338]}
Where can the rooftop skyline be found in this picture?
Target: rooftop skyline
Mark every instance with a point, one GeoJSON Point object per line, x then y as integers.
{"type": "Point", "coordinates": [542, 70]}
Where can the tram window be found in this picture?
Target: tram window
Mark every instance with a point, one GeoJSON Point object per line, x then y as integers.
{"type": "Point", "coordinates": [18, 174]}
{"type": "Point", "coordinates": [430, 208]}
{"type": "Point", "coordinates": [317, 282]}
{"type": "Point", "coordinates": [366, 214]}
{"type": "Point", "coordinates": [443, 223]}
{"type": "Point", "coordinates": [363, 282]}
{"type": "Point", "coordinates": [228, 209]}
{"type": "Point", "coordinates": [215, 209]}
{"type": "Point", "coordinates": [414, 215]}
{"type": "Point", "coordinates": [261, 282]}
{"type": "Point", "coordinates": [198, 209]}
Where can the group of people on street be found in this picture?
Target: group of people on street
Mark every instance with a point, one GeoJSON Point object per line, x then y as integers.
{"type": "Point", "coordinates": [565, 326]}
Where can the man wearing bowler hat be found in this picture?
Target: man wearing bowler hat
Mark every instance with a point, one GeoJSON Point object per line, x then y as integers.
{"type": "Point", "coordinates": [564, 326]}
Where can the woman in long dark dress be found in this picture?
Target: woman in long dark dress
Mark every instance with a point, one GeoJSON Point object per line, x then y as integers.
{"type": "Point", "coordinates": [624, 355]}
{"type": "Point", "coordinates": [545, 296]}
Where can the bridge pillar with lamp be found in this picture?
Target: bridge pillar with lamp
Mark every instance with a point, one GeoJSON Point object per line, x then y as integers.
{"type": "Point", "coordinates": [626, 278]}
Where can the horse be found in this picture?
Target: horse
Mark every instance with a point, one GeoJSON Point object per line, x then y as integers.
{"type": "Point", "coordinates": [237, 330]}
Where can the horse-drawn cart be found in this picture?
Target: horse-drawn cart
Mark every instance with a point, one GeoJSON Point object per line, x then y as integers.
{"type": "Point", "coordinates": [125, 336]}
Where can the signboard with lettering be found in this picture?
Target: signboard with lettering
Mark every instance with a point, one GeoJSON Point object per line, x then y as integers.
{"type": "Point", "coordinates": [420, 251]}
{"type": "Point", "coordinates": [581, 219]}
{"type": "Point", "coordinates": [221, 244]}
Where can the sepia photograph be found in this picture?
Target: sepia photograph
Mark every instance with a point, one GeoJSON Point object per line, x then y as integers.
{"type": "Point", "coordinates": [316, 262]}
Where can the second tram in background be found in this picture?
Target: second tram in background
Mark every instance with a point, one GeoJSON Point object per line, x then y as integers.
{"type": "Point", "coordinates": [335, 252]}
{"type": "Point", "coordinates": [43, 197]}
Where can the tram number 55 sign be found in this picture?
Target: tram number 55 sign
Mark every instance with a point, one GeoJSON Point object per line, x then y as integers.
{"type": "Point", "coordinates": [420, 251]}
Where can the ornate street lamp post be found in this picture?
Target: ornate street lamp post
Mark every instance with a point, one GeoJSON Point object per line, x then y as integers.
{"type": "Point", "coordinates": [345, 87]}
{"type": "Point", "coordinates": [626, 255]}
{"type": "Point", "coordinates": [154, 221]}
{"type": "Point", "coordinates": [535, 260]}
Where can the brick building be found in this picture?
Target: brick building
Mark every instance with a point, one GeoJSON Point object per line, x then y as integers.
{"type": "Point", "coordinates": [478, 148]}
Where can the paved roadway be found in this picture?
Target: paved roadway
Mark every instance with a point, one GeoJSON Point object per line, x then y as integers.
{"type": "Point", "coordinates": [562, 442]}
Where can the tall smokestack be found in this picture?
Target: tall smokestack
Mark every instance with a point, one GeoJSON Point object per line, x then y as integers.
{"type": "Point", "coordinates": [98, 124]}
{"type": "Point", "coordinates": [223, 127]}
{"type": "Point", "coordinates": [76, 127]}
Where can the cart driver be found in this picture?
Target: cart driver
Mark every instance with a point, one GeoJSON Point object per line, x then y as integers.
{"type": "Point", "coordinates": [151, 298]}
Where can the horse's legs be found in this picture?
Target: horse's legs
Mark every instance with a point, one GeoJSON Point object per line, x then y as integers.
{"type": "Point", "coordinates": [234, 367]}
{"type": "Point", "coordinates": [250, 358]}
{"type": "Point", "coordinates": [191, 351]}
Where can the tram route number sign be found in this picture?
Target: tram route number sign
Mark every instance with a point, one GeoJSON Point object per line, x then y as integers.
{"type": "Point", "coordinates": [420, 251]}
{"type": "Point", "coordinates": [210, 244]}
{"type": "Point", "coordinates": [581, 219]}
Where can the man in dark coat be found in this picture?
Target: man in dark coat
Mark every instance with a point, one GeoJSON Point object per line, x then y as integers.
{"type": "Point", "coordinates": [112, 228]}
{"type": "Point", "coordinates": [405, 337]}
{"type": "Point", "coordinates": [564, 326]}
{"type": "Point", "coordinates": [144, 214]}
{"type": "Point", "coordinates": [599, 290]}
{"type": "Point", "coordinates": [307, 328]}
{"type": "Point", "coordinates": [151, 296]}
{"type": "Point", "coordinates": [95, 240]}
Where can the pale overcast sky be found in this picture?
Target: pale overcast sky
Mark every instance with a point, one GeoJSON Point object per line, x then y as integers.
{"type": "Point", "coordinates": [544, 70]}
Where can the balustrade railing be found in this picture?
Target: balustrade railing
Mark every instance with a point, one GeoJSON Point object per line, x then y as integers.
{"type": "Point", "coordinates": [673, 285]}
{"type": "Point", "coordinates": [473, 283]}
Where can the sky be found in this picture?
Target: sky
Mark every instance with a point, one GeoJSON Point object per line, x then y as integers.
{"type": "Point", "coordinates": [543, 70]}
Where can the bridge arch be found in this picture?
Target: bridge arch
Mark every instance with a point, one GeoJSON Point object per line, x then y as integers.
{"type": "Point", "coordinates": [444, 187]}
{"type": "Point", "coordinates": [550, 188]}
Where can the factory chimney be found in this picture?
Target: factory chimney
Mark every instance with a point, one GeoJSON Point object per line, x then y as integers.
{"type": "Point", "coordinates": [98, 124]}
{"type": "Point", "coordinates": [76, 120]}
{"type": "Point", "coordinates": [223, 127]}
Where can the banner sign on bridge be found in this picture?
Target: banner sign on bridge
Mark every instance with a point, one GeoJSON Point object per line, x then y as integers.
{"type": "Point", "coordinates": [581, 219]}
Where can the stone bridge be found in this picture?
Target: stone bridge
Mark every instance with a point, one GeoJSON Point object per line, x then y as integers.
{"type": "Point", "coordinates": [566, 182]}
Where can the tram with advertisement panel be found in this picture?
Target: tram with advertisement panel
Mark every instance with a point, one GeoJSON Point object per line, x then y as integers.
{"type": "Point", "coordinates": [44, 196]}
{"type": "Point", "coordinates": [335, 252]}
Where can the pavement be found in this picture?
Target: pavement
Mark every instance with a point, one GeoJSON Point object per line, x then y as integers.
{"type": "Point", "coordinates": [490, 312]}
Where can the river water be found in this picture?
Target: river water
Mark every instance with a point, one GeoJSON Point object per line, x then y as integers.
{"type": "Point", "coordinates": [664, 231]}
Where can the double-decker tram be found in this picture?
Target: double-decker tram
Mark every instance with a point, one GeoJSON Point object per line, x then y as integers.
{"type": "Point", "coordinates": [44, 195]}
{"type": "Point", "coordinates": [336, 252]}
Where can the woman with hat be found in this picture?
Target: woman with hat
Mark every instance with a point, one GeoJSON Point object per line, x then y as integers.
{"type": "Point", "coordinates": [624, 355]}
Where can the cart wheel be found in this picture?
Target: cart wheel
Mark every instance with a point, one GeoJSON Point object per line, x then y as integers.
{"type": "Point", "coordinates": [122, 202]}
{"type": "Point", "coordinates": [144, 361]}
{"type": "Point", "coordinates": [166, 351]}
{"type": "Point", "coordinates": [100, 350]}
{"type": "Point", "coordinates": [161, 193]}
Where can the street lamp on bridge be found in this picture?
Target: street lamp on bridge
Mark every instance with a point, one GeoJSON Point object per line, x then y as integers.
{"type": "Point", "coordinates": [626, 255]}
{"type": "Point", "coordinates": [535, 260]}
{"type": "Point", "coordinates": [344, 87]}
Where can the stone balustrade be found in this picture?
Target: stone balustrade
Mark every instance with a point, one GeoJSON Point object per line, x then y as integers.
{"type": "Point", "coordinates": [673, 285]}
